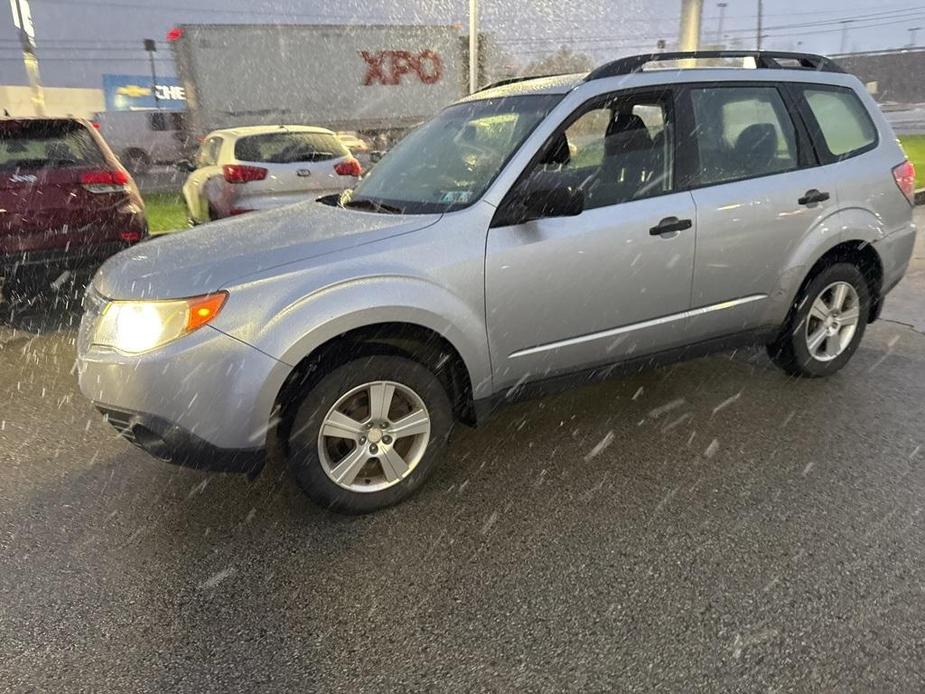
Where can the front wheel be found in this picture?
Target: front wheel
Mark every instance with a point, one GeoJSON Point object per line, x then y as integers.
{"type": "Point", "coordinates": [369, 433]}
{"type": "Point", "coordinates": [826, 325]}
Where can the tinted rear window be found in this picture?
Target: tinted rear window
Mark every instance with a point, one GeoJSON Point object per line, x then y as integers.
{"type": "Point", "coordinates": [844, 123]}
{"type": "Point", "coordinates": [46, 144]}
{"type": "Point", "coordinates": [288, 148]}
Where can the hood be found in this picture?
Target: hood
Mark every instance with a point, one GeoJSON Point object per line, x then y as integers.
{"type": "Point", "coordinates": [211, 257]}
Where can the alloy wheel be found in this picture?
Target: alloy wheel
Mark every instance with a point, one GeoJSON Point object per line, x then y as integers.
{"type": "Point", "coordinates": [374, 436]}
{"type": "Point", "coordinates": [832, 321]}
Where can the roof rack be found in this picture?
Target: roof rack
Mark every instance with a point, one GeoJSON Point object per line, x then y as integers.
{"type": "Point", "coordinates": [515, 80]}
{"type": "Point", "coordinates": [767, 60]}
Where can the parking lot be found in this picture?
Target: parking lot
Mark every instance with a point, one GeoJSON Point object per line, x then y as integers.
{"type": "Point", "coordinates": [712, 525]}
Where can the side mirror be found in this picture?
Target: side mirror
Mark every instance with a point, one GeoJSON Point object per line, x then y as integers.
{"type": "Point", "coordinates": [185, 165]}
{"type": "Point", "coordinates": [540, 203]}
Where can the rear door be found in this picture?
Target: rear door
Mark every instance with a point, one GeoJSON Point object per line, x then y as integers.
{"type": "Point", "coordinates": [297, 162]}
{"type": "Point", "coordinates": [46, 200]}
{"type": "Point", "coordinates": [753, 174]}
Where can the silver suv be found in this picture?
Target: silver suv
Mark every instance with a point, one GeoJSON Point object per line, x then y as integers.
{"type": "Point", "coordinates": [536, 231]}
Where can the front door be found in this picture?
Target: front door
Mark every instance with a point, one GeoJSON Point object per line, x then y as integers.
{"type": "Point", "coordinates": [614, 281]}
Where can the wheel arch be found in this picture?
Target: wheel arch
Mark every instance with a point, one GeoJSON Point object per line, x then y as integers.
{"type": "Point", "coordinates": [413, 341]}
{"type": "Point", "coordinates": [860, 253]}
{"type": "Point", "coordinates": [848, 235]}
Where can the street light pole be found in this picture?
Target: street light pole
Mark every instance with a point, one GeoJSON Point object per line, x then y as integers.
{"type": "Point", "coordinates": [151, 47]}
{"type": "Point", "coordinates": [844, 35]}
{"type": "Point", "coordinates": [719, 28]}
{"type": "Point", "coordinates": [22, 20]}
{"type": "Point", "coordinates": [473, 46]}
{"type": "Point", "coordinates": [760, 22]}
{"type": "Point", "coordinates": [691, 14]}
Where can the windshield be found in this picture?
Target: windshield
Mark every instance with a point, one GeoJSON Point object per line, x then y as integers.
{"type": "Point", "coordinates": [449, 162]}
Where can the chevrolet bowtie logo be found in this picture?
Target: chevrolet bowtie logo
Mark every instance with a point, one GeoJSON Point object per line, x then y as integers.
{"type": "Point", "coordinates": [133, 90]}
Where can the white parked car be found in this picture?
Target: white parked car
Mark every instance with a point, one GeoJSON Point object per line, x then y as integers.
{"type": "Point", "coordinates": [261, 167]}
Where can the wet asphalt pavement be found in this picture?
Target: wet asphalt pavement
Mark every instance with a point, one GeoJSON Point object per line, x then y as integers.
{"type": "Point", "coordinates": [710, 526]}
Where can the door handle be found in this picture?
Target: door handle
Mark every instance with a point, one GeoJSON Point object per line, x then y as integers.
{"type": "Point", "coordinates": [669, 224]}
{"type": "Point", "coordinates": [812, 196]}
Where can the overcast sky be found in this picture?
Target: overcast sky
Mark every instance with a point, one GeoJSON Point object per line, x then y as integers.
{"type": "Point", "coordinates": [79, 40]}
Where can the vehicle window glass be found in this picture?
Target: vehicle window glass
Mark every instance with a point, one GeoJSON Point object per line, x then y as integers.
{"type": "Point", "coordinates": [618, 151]}
{"type": "Point", "coordinates": [158, 121]}
{"type": "Point", "coordinates": [289, 147]}
{"type": "Point", "coordinates": [742, 132]}
{"type": "Point", "coordinates": [208, 152]}
{"type": "Point", "coordinates": [448, 162]}
{"type": "Point", "coordinates": [46, 144]}
{"type": "Point", "coordinates": [844, 123]}
{"type": "Point", "coordinates": [215, 150]}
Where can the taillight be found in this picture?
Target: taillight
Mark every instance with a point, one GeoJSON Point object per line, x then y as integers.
{"type": "Point", "coordinates": [95, 124]}
{"type": "Point", "coordinates": [238, 173]}
{"type": "Point", "coordinates": [904, 175]}
{"type": "Point", "coordinates": [105, 181]}
{"type": "Point", "coordinates": [349, 167]}
{"type": "Point", "coordinates": [130, 236]}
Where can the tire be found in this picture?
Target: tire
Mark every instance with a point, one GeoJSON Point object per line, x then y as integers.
{"type": "Point", "coordinates": [796, 350]}
{"type": "Point", "coordinates": [315, 460]}
{"type": "Point", "coordinates": [137, 161]}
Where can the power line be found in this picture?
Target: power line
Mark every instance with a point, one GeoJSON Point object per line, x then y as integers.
{"type": "Point", "coordinates": [749, 31]}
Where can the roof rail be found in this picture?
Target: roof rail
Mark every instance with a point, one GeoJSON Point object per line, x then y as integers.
{"type": "Point", "coordinates": [515, 80]}
{"type": "Point", "coordinates": [770, 60]}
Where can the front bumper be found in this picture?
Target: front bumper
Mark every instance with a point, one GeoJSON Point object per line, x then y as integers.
{"type": "Point", "coordinates": [174, 444]}
{"type": "Point", "coordinates": [205, 392]}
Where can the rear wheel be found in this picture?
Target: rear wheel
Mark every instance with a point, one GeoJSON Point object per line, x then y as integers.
{"type": "Point", "coordinates": [136, 161]}
{"type": "Point", "coordinates": [369, 433]}
{"type": "Point", "coordinates": [827, 324]}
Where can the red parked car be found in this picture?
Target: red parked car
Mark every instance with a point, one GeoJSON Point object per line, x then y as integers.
{"type": "Point", "coordinates": [66, 203]}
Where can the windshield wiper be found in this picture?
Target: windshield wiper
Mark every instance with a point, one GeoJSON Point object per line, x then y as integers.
{"type": "Point", "coordinates": [374, 205]}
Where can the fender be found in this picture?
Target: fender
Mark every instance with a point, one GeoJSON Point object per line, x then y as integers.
{"type": "Point", "coordinates": [845, 224]}
{"type": "Point", "coordinates": [293, 332]}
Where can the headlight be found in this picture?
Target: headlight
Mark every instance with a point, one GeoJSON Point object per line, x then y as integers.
{"type": "Point", "coordinates": [139, 326]}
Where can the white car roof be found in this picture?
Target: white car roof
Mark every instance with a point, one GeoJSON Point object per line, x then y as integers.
{"type": "Point", "coordinates": [268, 129]}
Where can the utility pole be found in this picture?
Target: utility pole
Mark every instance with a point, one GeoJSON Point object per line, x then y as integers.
{"type": "Point", "coordinates": [22, 20]}
{"type": "Point", "coordinates": [473, 46]}
{"type": "Point", "coordinates": [151, 47]}
{"type": "Point", "coordinates": [691, 14]}
{"type": "Point", "coordinates": [760, 22]}
{"type": "Point", "coordinates": [719, 28]}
